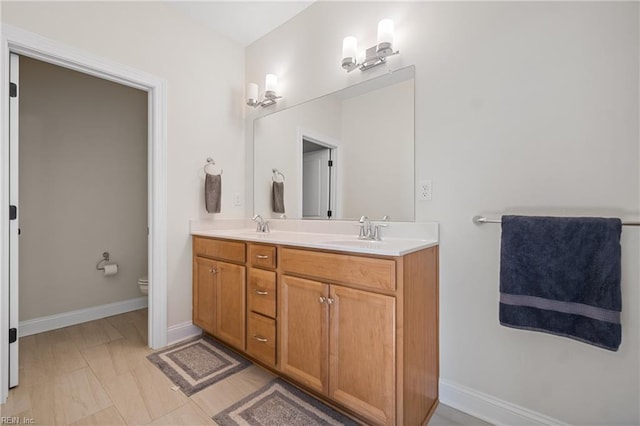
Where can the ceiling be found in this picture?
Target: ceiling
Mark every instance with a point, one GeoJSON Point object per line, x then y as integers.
{"type": "Point", "coordinates": [241, 21]}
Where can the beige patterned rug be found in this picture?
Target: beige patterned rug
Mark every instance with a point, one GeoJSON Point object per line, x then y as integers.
{"type": "Point", "coordinates": [277, 404]}
{"type": "Point", "coordinates": [197, 363]}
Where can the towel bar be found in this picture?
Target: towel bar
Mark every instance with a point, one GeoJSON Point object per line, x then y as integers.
{"type": "Point", "coordinates": [479, 220]}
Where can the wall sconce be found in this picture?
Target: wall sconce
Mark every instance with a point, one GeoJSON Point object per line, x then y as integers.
{"type": "Point", "coordinates": [270, 92]}
{"type": "Point", "coordinates": [374, 55]}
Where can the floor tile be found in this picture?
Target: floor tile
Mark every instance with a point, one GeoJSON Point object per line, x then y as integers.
{"type": "Point", "coordinates": [126, 396]}
{"type": "Point", "coordinates": [156, 390]}
{"type": "Point", "coordinates": [188, 414]}
{"type": "Point", "coordinates": [107, 417]}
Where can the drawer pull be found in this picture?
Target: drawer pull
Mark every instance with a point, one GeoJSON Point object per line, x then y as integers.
{"type": "Point", "coordinates": [260, 339]}
{"type": "Point", "coordinates": [261, 292]}
{"type": "Point", "coordinates": [262, 256]}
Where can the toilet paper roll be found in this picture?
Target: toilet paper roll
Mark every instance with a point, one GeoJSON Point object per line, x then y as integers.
{"type": "Point", "coordinates": [110, 269]}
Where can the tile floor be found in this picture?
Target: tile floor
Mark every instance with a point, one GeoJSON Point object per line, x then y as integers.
{"type": "Point", "coordinates": [97, 373]}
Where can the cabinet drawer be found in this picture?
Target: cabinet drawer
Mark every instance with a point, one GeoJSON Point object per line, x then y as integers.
{"type": "Point", "coordinates": [261, 294]}
{"type": "Point", "coordinates": [261, 338]}
{"type": "Point", "coordinates": [262, 256]}
{"type": "Point", "coordinates": [341, 268]}
{"type": "Point", "coordinates": [220, 249]}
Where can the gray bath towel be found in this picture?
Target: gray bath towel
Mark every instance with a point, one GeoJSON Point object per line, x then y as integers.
{"type": "Point", "coordinates": [212, 192]}
{"type": "Point", "coordinates": [561, 275]}
{"type": "Point", "coordinates": [277, 197]}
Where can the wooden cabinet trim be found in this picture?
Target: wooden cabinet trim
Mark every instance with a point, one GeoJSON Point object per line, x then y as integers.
{"type": "Point", "coordinates": [232, 251]}
{"type": "Point", "coordinates": [362, 271]}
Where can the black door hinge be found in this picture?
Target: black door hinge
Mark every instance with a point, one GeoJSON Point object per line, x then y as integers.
{"type": "Point", "coordinates": [13, 212]}
{"type": "Point", "coordinates": [13, 90]}
{"type": "Point", "coordinates": [13, 335]}
{"type": "Point", "coordinates": [330, 163]}
{"type": "Point", "coordinates": [329, 213]}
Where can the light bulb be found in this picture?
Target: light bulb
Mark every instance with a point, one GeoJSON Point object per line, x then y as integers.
{"type": "Point", "coordinates": [385, 38]}
{"type": "Point", "coordinates": [271, 86]}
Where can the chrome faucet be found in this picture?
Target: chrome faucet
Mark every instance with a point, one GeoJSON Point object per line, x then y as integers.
{"type": "Point", "coordinates": [261, 224]}
{"type": "Point", "coordinates": [369, 231]}
{"type": "Point", "coordinates": [365, 228]}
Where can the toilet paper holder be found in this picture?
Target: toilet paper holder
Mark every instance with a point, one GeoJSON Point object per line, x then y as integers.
{"type": "Point", "coordinates": [105, 258]}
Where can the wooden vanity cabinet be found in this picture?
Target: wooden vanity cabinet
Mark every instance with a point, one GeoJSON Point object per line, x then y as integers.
{"type": "Point", "coordinates": [340, 342]}
{"type": "Point", "coordinates": [360, 331]}
{"type": "Point", "coordinates": [363, 331]}
{"type": "Point", "coordinates": [219, 290]}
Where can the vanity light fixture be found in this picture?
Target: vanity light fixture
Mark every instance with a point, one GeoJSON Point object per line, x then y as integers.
{"type": "Point", "coordinates": [374, 55]}
{"type": "Point", "coordinates": [270, 92]}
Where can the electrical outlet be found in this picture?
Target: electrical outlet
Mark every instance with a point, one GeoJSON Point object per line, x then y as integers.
{"type": "Point", "coordinates": [424, 190]}
{"type": "Point", "coordinates": [236, 199]}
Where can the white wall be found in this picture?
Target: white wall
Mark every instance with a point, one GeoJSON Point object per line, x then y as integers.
{"type": "Point", "coordinates": [205, 116]}
{"type": "Point", "coordinates": [83, 189]}
{"type": "Point", "coordinates": [520, 108]}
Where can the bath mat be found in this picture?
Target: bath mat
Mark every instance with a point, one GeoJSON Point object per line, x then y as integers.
{"type": "Point", "coordinates": [197, 363]}
{"type": "Point", "coordinates": [279, 403]}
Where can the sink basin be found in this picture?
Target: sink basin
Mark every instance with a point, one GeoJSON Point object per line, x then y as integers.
{"type": "Point", "coordinates": [372, 244]}
{"type": "Point", "coordinates": [253, 234]}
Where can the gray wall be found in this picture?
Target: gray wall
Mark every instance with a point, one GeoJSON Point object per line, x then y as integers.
{"type": "Point", "coordinates": [83, 189]}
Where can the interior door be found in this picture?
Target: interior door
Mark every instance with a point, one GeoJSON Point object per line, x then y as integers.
{"type": "Point", "coordinates": [316, 183]}
{"type": "Point", "coordinates": [14, 229]}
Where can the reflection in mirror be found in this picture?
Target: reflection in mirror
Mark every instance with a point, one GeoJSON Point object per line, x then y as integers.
{"type": "Point", "coordinates": [346, 154]}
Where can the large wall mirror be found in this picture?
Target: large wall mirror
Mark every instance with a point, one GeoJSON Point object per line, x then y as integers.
{"type": "Point", "coordinates": [340, 156]}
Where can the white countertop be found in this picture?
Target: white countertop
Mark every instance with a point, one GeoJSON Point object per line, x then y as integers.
{"type": "Point", "coordinates": [328, 237]}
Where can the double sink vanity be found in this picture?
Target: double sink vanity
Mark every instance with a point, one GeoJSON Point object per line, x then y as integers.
{"type": "Point", "coordinates": [354, 322]}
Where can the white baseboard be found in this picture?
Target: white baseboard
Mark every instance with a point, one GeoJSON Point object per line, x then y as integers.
{"type": "Point", "coordinates": [65, 319]}
{"type": "Point", "coordinates": [490, 408]}
{"type": "Point", "coordinates": [179, 332]}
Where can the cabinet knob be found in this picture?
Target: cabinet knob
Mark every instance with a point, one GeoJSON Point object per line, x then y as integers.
{"type": "Point", "coordinates": [323, 299]}
{"type": "Point", "coordinates": [261, 292]}
{"type": "Point", "coordinates": [213, 270]}
{"type": "Point", "coordinates": [262, 256]}
{"type": "Point", "coordinates": [260, 339]}
{"type": "Point", "coordinates": [330, 301]}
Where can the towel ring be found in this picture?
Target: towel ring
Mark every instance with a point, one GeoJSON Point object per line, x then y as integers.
{"type": "Point", "coordinates": [210, 163]}
{"type": "Point", "coordinates": [277, 172]}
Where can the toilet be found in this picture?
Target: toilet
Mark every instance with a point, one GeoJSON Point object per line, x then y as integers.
{"type": "Point", "coordinates": [143, 284]}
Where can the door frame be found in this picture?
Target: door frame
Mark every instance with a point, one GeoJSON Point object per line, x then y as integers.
{"type": "Point", "coordinates": [25, 43]}
{"type": "Point", "coordinates": [334, 145]}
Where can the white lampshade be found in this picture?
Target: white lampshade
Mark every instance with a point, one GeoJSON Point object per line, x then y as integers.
{"type": "Point", "coordinates": [271, 85]}
{"type": "Point", "coordinates": [385, 37]}
{"type": "Point", "coordinates": [349, 47]}
{"type": "Point", "coordinates": [252, 91]}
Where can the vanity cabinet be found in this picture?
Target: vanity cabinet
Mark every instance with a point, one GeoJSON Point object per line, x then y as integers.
{"type": "Point", "coordinates": [219, 290]}
{"type": "Point", "coordinates": [340, 342]}
{"type": "Point", "coordinates": [357, 330]}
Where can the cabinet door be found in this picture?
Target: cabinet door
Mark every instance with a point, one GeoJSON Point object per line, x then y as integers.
{"type": "Point", "coordinates": [204, 294]}
{"type": "Point", "coordinates": [362, 361]}
{"type": "Point", "coordinates": [303, 321]}
{"type": "Point", "coordinates": [230, 304]}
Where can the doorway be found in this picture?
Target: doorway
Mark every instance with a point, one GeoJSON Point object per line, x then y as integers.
{"type": "Point", "coordinates": [21, 42]}
{"type": "Point", "coordinates": [317, 177]}
{"type": "Point", "coordinates": [82, 182]}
